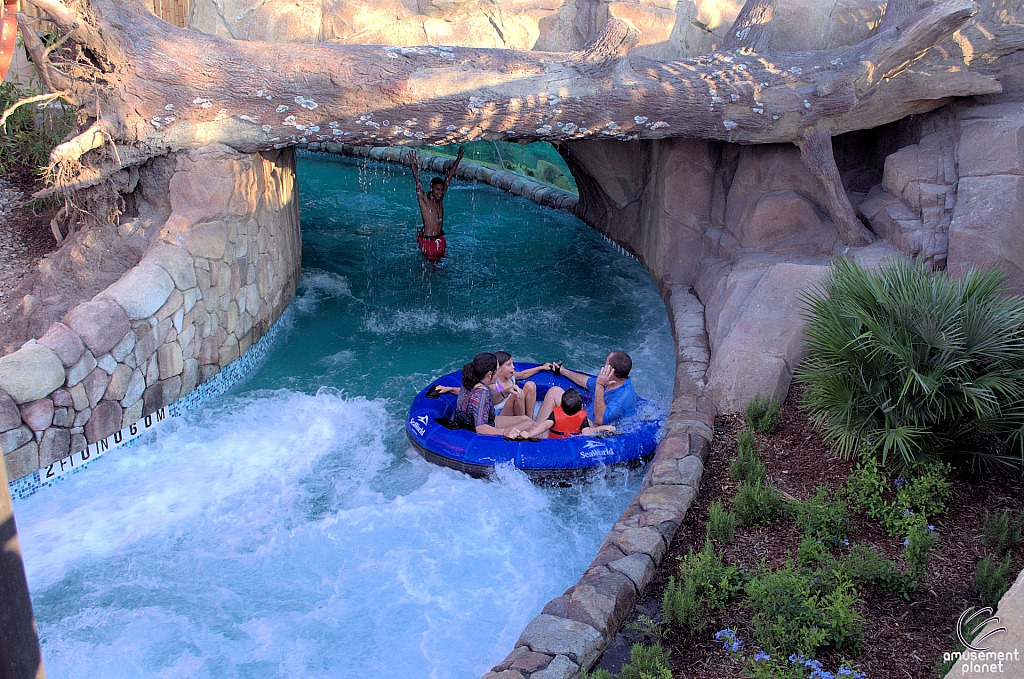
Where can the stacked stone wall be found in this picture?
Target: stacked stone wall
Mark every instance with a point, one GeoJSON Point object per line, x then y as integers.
{"type": "Point", "coordinates": [223, 269]}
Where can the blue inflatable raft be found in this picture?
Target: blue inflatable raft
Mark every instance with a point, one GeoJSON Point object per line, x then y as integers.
{"type": "Point", "coordinates": [429, 421]}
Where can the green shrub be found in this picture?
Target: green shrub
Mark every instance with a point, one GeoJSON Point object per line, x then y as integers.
{"type": "Point", "coordinates": [705, 584]}
{"type": "Point", "coordinates": [647, 662]}
{"type": "Point", "coordinates": [756, 503]}
{"type": "Point", "coordinates": [28, 136]}
{"type": "Point", "coordinates": [812, 551]}
{"type": "Point", "coordinates": [903, 362]}
{"type": "Point", "coordinates": [747, 466]}
{"type": "Point", "coordinates": [920, 539]}
{"type": "Point", "coordinates": [721, 523]}
{"type": "Point", "coordinates": [864, 565]}
{"type": "Point", "coordinates": [1003, 531]}
{"type": "Point", "coordinates": [991, 580]}
{"type": "Point", "coordinates": [599, 673]}
{"type": "Point", "coordinates": [903, 502]}
{"type": "Point", "coordinates": [762, 413]}
{"type": "Point", "coordinates": [822, 516]}
{"type": "Point", "coordinates": [799, 612]}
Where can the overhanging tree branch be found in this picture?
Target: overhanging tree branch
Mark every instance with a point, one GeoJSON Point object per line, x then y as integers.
{"type": "Point", "coordinates": [161, 89]}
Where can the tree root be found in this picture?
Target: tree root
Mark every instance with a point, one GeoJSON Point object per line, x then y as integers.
{"type": "Point", "coordinates": [29, 100]}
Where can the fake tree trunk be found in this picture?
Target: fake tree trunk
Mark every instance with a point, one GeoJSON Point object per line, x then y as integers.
{"type": "Point", "coordinates": [146, 88]}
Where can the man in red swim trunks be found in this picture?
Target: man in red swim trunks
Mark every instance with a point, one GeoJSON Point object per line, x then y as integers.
{"type": "Point", "coordinates": [431, 237]}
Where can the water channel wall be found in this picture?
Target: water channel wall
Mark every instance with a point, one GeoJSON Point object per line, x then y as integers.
{"type": "Point", "coordinates": [731, 236]}
{"type": "Point", "coordinates": [220, 268]}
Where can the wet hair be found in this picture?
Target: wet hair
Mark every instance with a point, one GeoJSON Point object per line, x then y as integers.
{"type": "Point", "coordinates": [436, 180]}
{"type": "Point", "coordinates": [475, 370]}
{"type": "Point", "coordinates": [503, 357]}
{"type": "Point", "coordinates": [621, 363]}
{"type": "Point", "coordinates": [571, 402]}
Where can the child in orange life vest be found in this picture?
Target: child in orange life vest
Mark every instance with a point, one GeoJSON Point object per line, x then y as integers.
{"type": "Point", "coordinates": [570, 418]}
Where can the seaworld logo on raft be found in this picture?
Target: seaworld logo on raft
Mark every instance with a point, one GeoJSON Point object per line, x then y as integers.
{"type": "Point", "coordinates": [94, 450]}
{"type": "Point", "coordinates": [419, 424]}
{"type": "Point", "coordinates": [594, 449]}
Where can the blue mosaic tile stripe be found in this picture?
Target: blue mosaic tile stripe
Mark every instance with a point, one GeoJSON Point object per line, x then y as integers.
{"type": "Point", "coordinates": [216, 386]}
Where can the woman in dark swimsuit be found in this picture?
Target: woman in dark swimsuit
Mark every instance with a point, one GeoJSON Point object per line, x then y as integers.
{"type": "Point", "coordinates": [475, 407]}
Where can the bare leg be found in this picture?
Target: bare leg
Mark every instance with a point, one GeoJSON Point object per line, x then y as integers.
{"type": "Point", "coordinates": [513, 405]}
{"type": "Point", "coordinates": [529, 398]}
{"type": "Point", "coordinates": [551, 399]}
{"type": "Point", "coordinates": [540, 430]}
{"type": "Point", "coordinates": [518, 421]}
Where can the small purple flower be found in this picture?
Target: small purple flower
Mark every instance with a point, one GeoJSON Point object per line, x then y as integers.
{"type": "Point", "coordinates": [908, 512]}
{"type": "Point", "coordinates": [906, 543]}
{"type": "Point", "coordinates": [822, 674]}
{"type": "Point", "coordinates": [813, 664]}
{"type": "Point", "coordinates": [729, 640]}
{"type": "Point", "coordinates": [760, 656]}
{"type": "Point", "coordinates": [846, 543]}
{"type": "Point", "coordinates": [931, 527]}
{"type": "Point", "coordinates": [900, 482]}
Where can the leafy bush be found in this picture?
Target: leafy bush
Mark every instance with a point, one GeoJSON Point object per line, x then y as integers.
{"type": "Point", "coordinates": [747, 466]}
{"type": "Point", "coordinates": [902, 363]}
{"type": "Point", "coordinates": [822, 516]}
{"type": "Point", "coordinates": [762, 413]}
{"type": "Point", "coordinates": [991, 579]}
{"type": "Point", "coordinates": [647, 662]}
{"type": "Point", "coordinates": [905, 501]}
{"type": "Point", "coordinates": [1003, 531]}
{"type": "Point", "coordinates": [705, 584]}
{"type": "Point", "coordinates": [800, 612]}
{"type": "Point", "coordinates": [765, 666]}
{"type": "Point", "coordinates": [28, 137]}
{"type": "Point", "coordinates": [756, 503]}
{"type": "Point", "coordinates": [721, 523]}
{"type": "Point", "coordinates": [864, 565]}
{"type": "Point", "coordinates": [921, 537]}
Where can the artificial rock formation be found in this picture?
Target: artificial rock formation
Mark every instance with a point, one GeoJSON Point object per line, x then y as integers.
{"type": "Point", "coordinates": [221, 267]}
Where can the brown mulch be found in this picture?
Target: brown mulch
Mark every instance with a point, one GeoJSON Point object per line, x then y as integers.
{"type": "Point", "coordinates": [901, 638]}
{"type": "Point", "coordinates": [24, 233]}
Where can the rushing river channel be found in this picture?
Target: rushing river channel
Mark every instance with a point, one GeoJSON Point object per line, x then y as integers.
{"type": "Point", "coordinates": [288, 529]}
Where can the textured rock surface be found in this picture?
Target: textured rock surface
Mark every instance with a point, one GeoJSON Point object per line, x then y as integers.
{"type": "Point", "coordinates": [756, 345]}
{"type": "Point", "coordinates": [136, 345]}
{"type": "Point", "coordinates": [987, 228]}
{"type": "Point", "coordinates": [669, 28]}
{"type": "Point", "coordinates": [31, 373]}
{"type": "Point", "coordinates": [101, 324]}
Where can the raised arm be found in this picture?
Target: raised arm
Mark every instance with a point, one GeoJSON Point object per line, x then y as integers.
{"type": "Point", "coordinates": [414, 163]}
{"type": "Point", "coordinates": [530, 372]}
{"type": "Point", "coordinates": [455, 166]}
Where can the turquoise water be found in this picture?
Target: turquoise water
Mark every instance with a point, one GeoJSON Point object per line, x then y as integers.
{"type": "Point", "coordinates": [288, 529]}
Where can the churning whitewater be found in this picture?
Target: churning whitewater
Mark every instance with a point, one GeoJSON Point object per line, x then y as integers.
{"type": "Point", "coordinates": [288, 529]}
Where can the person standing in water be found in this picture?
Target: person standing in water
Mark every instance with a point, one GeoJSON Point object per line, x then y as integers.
{"type": "Point", "coordinates": [431, 237]}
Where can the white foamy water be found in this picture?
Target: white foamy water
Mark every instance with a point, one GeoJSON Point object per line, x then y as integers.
{"type": "Point", "coordinates": [262, 538]}
{"type": "Point", "coordinates": [288, 530]}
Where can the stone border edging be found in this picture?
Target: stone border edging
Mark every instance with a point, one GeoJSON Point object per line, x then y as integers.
{"type": "Point", "coordinates": [214, 280]}
{"type": "Point", "coordinates": [131, 435]}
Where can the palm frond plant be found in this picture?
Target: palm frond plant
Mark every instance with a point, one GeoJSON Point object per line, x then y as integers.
{"type": "Point", "coordinates": [903, 363]}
